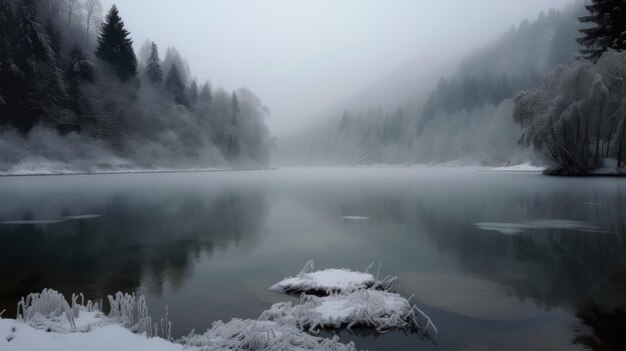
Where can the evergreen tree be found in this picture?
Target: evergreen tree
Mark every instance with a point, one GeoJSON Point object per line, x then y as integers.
{"type": "Point", "coordinates": [233, 140]}
{"type": "Point", "coordinates": [116, 47]}
{"type": "Point", "coordinates": [31, 86]}
{"type": "Point", "coordinates": [193, 92]}
{"type": "Point", "coordinates": [205, 93]}
{"type": "Point", "coordinates": [175, 85]}
{"type": "Point", "coordinates": [609, 32]}
{"type": "Point", "coordinates": [153, 66]}
{"type": "Point", "coordinates": [80, 70]}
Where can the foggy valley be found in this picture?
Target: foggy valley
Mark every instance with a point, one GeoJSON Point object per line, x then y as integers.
{"type": "Point", "coordinates": [312, 175]}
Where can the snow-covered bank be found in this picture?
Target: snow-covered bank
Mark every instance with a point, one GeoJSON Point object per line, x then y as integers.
{"type": "Point", "coordinates": [525, 167]}
{"type": "Point", "coordinates": [47, 321]}
{"type": "Point", "coordinates": [44, 172]}
{"type": "Point", "coordinates": [19, 336]}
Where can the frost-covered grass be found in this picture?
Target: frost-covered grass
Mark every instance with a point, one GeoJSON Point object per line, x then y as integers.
{"type": "Point", "coordinates": [364, 308]}
{"type": "Point", "coordinates": [260, 335]}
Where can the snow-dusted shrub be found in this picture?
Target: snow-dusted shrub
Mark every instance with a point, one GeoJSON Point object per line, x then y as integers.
{"type": "Point", "coordinates": [122, 308]}
{"type": "Point", "coordinates": [332, 280]}
{"type": "Point", "coordinates": [49, 310]}
{"type": "Point", "coordinates": [45, 310]}
{"type": "Point", "coordinates": [367, 308]}
{"type": "Point", "coordinates": [577, 116]}
{"type": "Point", "coordinates": [260, 335]}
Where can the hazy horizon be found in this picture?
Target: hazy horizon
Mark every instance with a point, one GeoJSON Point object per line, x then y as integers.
{"type": "Point", "coordinates": [302, 57]}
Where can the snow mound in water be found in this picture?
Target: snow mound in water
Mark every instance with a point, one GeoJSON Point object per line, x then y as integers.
{"type": "Point", "coordinates": [260, 335]}
{"type": "Point", "coordinates": [332, 280]}
{"type": "Point", "coordinates": [365, 308]}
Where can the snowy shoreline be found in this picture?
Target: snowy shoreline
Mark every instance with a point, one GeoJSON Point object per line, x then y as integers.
{"type": "Point", "coordinates": [349, 298]}
{"type": "Point", "coordinates": [145, 171]}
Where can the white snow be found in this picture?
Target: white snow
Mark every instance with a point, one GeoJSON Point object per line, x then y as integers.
{"type": "Point", "coordinates": [331, 280]}
{"type": "Point", "coordinates": [19, 336]}
{"type": "Point", "coordinates": [326, 280]}
{"type": "Point", "coordinates": [524, 167]}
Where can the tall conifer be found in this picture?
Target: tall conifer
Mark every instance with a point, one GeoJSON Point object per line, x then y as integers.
{"type": "Point", "coordinates": [609, 30]}
{"type": "Point", "coordinates": [153, 66]}
{"type": "Point", "coordinates": [116, 47]}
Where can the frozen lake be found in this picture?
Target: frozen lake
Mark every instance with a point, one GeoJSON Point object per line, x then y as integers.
{"type": "Point", "coordinates": [499, 260]}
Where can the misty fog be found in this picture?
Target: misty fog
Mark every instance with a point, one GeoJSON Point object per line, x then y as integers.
{"type": "Point", "coordinates": [312, 175]}
{"type": "Point", "coordinates": [303, 57]}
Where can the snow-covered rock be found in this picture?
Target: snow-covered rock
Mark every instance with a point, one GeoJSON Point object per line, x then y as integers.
{"type": "Point", "coordinates": [332, 280]}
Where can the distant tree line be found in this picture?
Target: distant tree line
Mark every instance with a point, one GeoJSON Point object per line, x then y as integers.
{"type": "Point", "coordinates": [64, 68]}
{"type": "Point", "coordinates": [468, 113]}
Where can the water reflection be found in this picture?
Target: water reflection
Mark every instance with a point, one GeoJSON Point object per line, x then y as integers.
{"type": "Point", "coordinates": [131, 237]}
{"type": "Point", "coordinates": [565, 251]}
{"type": "Point", "coordinates": [549, 271]}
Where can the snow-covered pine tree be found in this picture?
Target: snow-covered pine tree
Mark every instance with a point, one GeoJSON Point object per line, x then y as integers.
{"type": "Point", "coordinates": [175, 85]}
{"type": "Point", "coordinates": [153, 66]}
{"type": "Point", "coordinates": [205, 93]}
{"type": "Point", "coordinates": [609, 30]}
{"type": "Point", "coordinates": [232, 150]}
{"type": "Point", "coordinates": [31, 86]}
{"type": "Point", "coordinates": [80, 70]}
{"type": "Point", "coordinates": [193, 92]}
{"type": "Point", "coordinates": [116, 47]}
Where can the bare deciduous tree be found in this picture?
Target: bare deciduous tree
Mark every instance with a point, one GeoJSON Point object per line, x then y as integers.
{"type": "Point", "coordinates": [577, 115]}
{"type": "Point", "coordinates": [93, 10]}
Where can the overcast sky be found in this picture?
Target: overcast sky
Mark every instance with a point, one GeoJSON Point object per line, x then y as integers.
{"type": "Point", "coordinates": [301, 56]}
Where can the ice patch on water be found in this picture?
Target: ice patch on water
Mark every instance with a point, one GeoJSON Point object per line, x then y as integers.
{"type": "Point", "coordinates": [504, 228]}
{"type": "Point", "coordinates": [84, 216]}
{"type": "Point", "coordinates": [50, 221]}
{"type": "Point", "coordinates": [32, 221]}
{"type": "Point", "coordinates": [356, 218]}
{"type": "Point", "coordinates": [516, 228]}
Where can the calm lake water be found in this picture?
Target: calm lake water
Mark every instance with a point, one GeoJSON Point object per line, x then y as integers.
{"type": "Point", "coordinates": [499, 260]}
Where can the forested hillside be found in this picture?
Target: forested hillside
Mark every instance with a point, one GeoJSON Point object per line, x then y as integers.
{"type": "Point", "coordinates": [74, 96]}
{"type": "Point", "coordinates": [466, 118]}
